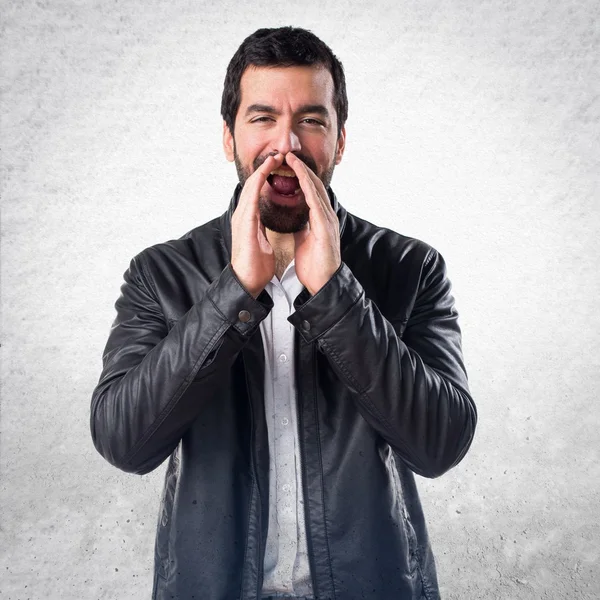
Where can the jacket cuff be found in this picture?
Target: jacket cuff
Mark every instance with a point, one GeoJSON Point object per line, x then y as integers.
{"type": "Point", "coordinates": [316, 314]}
{"type": "Point", "coordinates": [236, 305]}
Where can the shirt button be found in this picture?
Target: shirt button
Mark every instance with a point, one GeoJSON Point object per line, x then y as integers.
{"type": "Point", "coordinates": [244, 316]}
{"type": "Point", "coordinates": [285, 488]}
{"type": "Point", "coordinates": [282, 358]}
{"type": "Point", "coordinates": [284, 421]}
{"type": "Point", "coordinates": [306, 325]}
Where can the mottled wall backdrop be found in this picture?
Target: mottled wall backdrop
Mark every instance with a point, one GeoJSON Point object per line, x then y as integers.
{"type": "Point", "coordinates": [473, 126]}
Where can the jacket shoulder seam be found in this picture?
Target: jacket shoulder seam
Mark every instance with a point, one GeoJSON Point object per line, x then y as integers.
{"type": "Point", "coordinates": [429, 256]}
{"type": "Point", "coordinates": [145, 272]}
{"type": "Point", "coordinates": [148, 281]}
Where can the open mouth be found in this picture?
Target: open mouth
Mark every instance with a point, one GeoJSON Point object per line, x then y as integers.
{"type": "Point", "coordinates": [284, 182]}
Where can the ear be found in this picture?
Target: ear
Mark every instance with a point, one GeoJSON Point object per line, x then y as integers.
{"type": "Point", "coordinates": [341, 145]}
{"type": "Point", "coordinates": [228, 144]}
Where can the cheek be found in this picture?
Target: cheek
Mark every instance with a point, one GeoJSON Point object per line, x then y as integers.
{"type": "Point", "coordinates": [324, 153]}
{"type": "Point", "coordinates": [326, 159]}
{"type": "Point", "coordinates": [253, 144]}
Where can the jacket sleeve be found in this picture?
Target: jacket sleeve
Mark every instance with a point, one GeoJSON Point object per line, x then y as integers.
{"type": "Point", "coordinates": [410, 385]}
{"type": "Point", "coordinates": [139, 411]}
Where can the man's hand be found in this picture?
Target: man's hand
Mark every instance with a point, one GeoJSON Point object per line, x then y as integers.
{"type": "Point", "coordinates": [252, 257]}
{"type": "Point", "coordinates": [317, 252]}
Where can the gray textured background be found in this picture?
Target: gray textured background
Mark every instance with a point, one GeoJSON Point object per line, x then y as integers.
{"type": "Point", "coordinates": [473, 126]}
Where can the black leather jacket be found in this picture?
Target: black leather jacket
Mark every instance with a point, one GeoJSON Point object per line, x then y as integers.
{"type": "Point", "coordinates": [381, 389]}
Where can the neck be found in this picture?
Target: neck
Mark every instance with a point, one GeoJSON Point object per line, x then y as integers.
{"type": "Point", "coordinates": [283, 245]}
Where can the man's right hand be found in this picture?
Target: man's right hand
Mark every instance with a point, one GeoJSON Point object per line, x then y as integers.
{"type": "Point", "coordinates": [252, 257]}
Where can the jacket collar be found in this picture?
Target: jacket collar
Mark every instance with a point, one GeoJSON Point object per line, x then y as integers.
{"type": "Point", "coordinates": [225, 220]}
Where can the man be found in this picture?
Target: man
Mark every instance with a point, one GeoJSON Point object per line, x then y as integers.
{"type": "Point", "coordinates": [296, 363]}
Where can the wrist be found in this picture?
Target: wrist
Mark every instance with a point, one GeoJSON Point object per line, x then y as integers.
{"type": "Point", "coordinates": [324, 281]}
{"type": "Point", "coordinates": [252, 290]}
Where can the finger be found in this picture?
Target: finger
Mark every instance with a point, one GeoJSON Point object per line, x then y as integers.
{"type": "Point", "coordinates": [320, 188]}
{"type": "Point", "coordinates": [272, 162]}
{"type": "Point", "coordinates": [317, 185]}
{"type": "Point", "coordinates": [307, 185]}
{"type": "Point", "coordinates": [255, 182]}
{"type": "Point", "coordinates": [322, 192]}
{"type": "Point", "coordinates": [259, 176]}
{"type": "Point", "coordinates": [248, 202]}
{"type": "Point", "coordinates": [314, 192]}
{"type": "Point", "coordinates": [300, 168]}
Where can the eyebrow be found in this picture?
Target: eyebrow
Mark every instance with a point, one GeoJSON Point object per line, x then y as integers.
{"type": "Point", "coordinates": [318, 109]}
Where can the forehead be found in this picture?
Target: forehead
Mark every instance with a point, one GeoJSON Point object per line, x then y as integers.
{"type": "Point", "coordinates": [287, 85]}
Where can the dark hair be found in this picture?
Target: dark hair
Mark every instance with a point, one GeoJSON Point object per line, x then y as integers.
{"type": "Point", "coordinates": [282, 47]}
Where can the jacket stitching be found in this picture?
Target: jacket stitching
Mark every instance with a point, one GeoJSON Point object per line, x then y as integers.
{"type": "Point", "coordinates": [428, 257]}
{"type": "Point", "coordinates": [318, 336]}
{"type": "Point", "coordinates": [218, 310]}
{"type": "Point", "coordinates": [424, 582]}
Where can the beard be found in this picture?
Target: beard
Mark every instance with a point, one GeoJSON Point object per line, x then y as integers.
{"type": "Point", "coordinates": [282, 219]}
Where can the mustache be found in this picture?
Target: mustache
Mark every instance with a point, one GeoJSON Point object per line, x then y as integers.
{"type": "Point", "coordinates": [307, 160]}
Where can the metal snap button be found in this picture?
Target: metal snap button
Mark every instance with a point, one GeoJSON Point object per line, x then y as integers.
{"type": "Point", "coordinates": [244, 316]}
{"type": "Point", "coordinates": [306, 325]}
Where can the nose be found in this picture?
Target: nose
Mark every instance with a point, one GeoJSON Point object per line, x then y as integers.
{"type": "Point", "coordinates": [286, 140]}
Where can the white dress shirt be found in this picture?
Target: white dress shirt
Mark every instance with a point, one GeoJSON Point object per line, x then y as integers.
{"type": "Point", "coordinates": [286, 567]}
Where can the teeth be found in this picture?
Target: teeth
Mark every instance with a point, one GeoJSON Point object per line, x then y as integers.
{"type": "Point", "coordinates": [283, 173]}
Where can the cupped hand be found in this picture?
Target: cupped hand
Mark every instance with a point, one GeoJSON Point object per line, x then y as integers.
{"type": "Point", "coordinates": [252, 257]}
{"type": "Point", "coordinates": [317, 247]}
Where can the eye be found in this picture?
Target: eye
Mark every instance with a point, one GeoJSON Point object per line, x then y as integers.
{"type": "Point", "coordinates": [310, 121]}
{"type": "Point", "coordinates": [261, 119]}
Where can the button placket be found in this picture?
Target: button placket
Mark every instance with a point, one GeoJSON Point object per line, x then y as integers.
{"type": "Point", "coordinates": [284, 428]}
{"type": "Point", "coordinates": [281, 350]}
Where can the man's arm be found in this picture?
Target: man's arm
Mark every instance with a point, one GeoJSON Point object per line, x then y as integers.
{"type": "Point", "coordinates": [139, 411]}
{"type": "Point", "coordinates": [412, 389]}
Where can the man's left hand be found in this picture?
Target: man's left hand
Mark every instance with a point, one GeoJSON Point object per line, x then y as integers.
{"type": "Point", "coordinates": [317, 252]}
